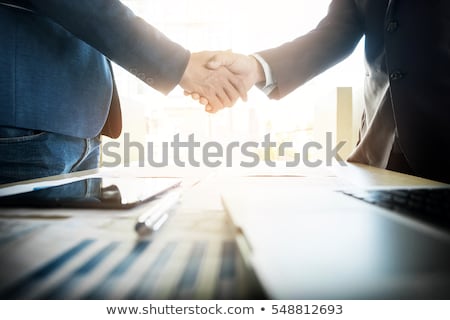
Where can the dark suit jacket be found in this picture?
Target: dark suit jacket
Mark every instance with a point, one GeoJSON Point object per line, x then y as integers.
{"type": "Point", "coordinates": [407, 89]}
{"type": "Point", "coordinates": [54, 69]}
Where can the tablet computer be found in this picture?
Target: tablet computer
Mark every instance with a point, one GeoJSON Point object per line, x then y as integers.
{"type": "Point", "coordinates": [93, 192]}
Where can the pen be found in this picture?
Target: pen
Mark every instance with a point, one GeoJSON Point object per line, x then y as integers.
{"type": "Point", "coordinates": [152, 220]}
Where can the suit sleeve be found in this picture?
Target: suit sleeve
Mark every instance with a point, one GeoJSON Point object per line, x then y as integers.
{"type": "Point", "coordinates": [300, 60]}
{"type": "Point", "coordinates": [114, 30]}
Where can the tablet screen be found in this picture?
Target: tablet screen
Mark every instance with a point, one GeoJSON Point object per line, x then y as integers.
{"type": "Point", "coordinates": [108, 193]}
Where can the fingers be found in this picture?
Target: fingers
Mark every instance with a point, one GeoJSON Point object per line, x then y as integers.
{"type": "Point", "coordinates": [231, 92]}
{"type": "Point", "coordinates": [239, 87]}
{"type": "Point", "coordinates": [219, 92]}
{"type": "Point", "coordinates": [203, 101]}
{"type": "Point", "coordinates": [243, 68]}
{"type": "Point", "coordinates": [215, 101]}
{"type": "Point", "coordinates": [215, 88]}
{"type": "Point", "coordinates": [196, 96]}
{"type": "Point", "coordinates": [210, 109]}
{"type": "Point", "coordinates": [226, 93]}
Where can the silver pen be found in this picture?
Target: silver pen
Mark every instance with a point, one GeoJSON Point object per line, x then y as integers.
{"type": "Point", "coordinates": [154, 218]}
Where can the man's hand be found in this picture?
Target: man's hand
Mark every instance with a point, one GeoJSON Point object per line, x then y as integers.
{"type": "Point", "coordinates": [246, 69]}
{"type": "Point", "coordinates": [218, 85]}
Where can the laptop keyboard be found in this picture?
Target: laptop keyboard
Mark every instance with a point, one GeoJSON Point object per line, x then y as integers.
{"type": "Point", "coordinates": [430, 205]}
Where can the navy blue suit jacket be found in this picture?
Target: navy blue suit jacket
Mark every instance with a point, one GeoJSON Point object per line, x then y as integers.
{"type": "Point", "coordinates": [55, 73]}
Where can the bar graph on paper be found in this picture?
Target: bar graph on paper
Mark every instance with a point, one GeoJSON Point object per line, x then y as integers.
{"type": "Point", "coordinates": [168, 267]}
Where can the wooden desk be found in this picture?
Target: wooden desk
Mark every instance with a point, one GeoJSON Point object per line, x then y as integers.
{"type": "Point", "coordinates": [91, 254]}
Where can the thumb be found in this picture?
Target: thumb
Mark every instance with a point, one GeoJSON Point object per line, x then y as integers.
{"type": "Point", "coordinates": [223, 59]}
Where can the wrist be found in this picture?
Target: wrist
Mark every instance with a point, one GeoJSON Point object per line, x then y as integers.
{"type": "Point", "coordinates": [258, 71]}
{"type": "Point", "coordinates": [185, 78]}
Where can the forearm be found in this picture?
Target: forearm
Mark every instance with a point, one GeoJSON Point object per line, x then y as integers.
{"type": "Point", "coordinates": [294, 63]}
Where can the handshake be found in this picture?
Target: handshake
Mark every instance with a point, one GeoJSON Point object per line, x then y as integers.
{"type": "Point", "coordinates": [217, 79]}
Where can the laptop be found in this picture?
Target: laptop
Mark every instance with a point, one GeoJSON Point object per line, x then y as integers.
{"type": "Point", "coordinates": [324, 243]}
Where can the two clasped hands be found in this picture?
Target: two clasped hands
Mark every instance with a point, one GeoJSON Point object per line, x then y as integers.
{"type": "Point", "coordinates": [217, 79]}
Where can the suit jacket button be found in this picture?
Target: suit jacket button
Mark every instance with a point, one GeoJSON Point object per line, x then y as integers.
{"type": "Point", "coordinates": [396, 75]}
{"type": "Point", "coordinates": [392, 26]}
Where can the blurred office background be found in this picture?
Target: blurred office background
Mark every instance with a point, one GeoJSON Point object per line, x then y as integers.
{"type": "Point", "coordinates": [244, 26]}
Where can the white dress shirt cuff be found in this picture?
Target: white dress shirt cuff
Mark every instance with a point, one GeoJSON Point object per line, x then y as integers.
{"type": "Point", "coordinates": [270, 84]}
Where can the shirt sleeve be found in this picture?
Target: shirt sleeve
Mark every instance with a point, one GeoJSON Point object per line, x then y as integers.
{"type": "Point", "coordinates": [270, 83]}
{"type": "Point", "coordinates": [118, 33]}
